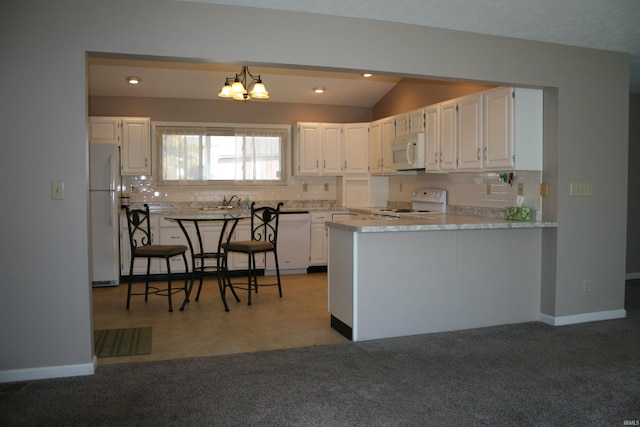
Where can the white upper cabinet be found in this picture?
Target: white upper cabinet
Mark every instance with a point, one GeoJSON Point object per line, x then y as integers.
{"type": "Point", "coordinates": [416, 121]}
{"type": "Point", "coordinates": [136, 146]}
{"type": "Point", "coordinates": [380, 136]}
{"type": "Point", "coordinates": [448, 135]}
{"type": "Point", "coordinates": [319, 149]}
{"type": "Point", "coordinates": [498, 128]}
{"type": "Point", "coordinates": [132, 134]}
{"type": "Point", "coordinates": [470, 147]}
{"type": "Point", "coordinates": [513, 128]}
{"type": "Point", "coordinates": [309, 149]}
{"type": "Point", "coordinates": [356, 153]}
{"type": "Point", "coordinates": [411, 122]}
{"type": "Point", "coordinates": [432, 137]}
{"type": "Point", "coordinates": [105, 130]}
{"type": "Point", "coordinates": [332, 149]}
{"type": "Point", "coordinates": [527, 129]}
{"type": "Point", "coordinates": [387, 133]}
{"type": "Point", "coordinates": [375, 148]}
{"type": "Point", "coordinates": [402, 124]}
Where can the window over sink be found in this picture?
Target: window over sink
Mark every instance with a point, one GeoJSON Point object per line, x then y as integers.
{"type": "Point", "coordinates": [201, 154]}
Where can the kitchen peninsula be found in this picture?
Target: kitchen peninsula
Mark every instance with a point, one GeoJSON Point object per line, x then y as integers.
{"type": "Point", "coordinates": [437, 273]}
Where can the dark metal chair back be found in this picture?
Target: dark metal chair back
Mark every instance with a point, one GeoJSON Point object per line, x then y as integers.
{"type": "Point", "coordinates": [264, 223]}
{"type": "Point", "coordinates": [139, 227]}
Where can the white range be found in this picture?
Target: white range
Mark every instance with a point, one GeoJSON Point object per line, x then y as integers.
{"type": "Point", "coordinates": [425, 201]}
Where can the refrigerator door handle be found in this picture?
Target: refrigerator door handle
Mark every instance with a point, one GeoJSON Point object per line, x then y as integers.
{"type": "Point", "coordinates": [112, 207]}
{"type": "Point", "coordinates": [111, 174]}
{"type": "Point", "coordinates": [112, 192]}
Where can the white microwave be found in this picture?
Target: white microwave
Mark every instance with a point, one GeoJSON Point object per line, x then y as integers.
{"type": "Point", "coordinates": [408, 152]}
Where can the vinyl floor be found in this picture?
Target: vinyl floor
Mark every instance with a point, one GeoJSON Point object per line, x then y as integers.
{"type": "Point", "coordinates": [298, 319]}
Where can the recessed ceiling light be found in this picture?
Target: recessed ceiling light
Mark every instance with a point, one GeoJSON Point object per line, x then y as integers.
{"type": "Point", "coordinates": [318, 89]}
{"type": "Point", "coordinates": [367, 75]}
{"type": "Point", "coordinates": [133, 80]}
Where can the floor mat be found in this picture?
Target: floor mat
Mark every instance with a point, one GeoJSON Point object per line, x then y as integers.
{"type": "Point", "coordinates": [122, 342]}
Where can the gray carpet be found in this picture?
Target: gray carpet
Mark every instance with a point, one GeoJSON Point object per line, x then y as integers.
{"type": "Point", "coordinates": [526, 374]}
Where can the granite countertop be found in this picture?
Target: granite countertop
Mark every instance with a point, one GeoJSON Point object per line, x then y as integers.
{"type": "Point", "coordinates": [435, 222]}
{"type": "Point", "coordinates": [462, 218]}
{"type": "Point", "coordinates": [206, 208]}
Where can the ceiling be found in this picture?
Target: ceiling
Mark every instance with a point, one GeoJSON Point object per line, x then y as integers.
{"type": "Point", "coordinates": [107, 77]}
{"type": "Point", "coordinates": [600, 24]}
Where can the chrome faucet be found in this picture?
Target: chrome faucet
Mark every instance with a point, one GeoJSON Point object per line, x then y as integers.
{"type": "Point", "coordinates": [226, 202]}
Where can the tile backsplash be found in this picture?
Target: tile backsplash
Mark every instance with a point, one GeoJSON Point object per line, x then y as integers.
{"type": "Point", "coordinates": [143, 189]}
{"type": "Point", "coordinates": [485, 190]}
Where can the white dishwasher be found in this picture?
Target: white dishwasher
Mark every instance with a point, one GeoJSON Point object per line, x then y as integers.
{"type": "Point", "coordinates": [294, 244]}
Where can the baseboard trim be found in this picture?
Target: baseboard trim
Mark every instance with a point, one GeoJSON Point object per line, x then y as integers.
{"type": "Point", "coordinates": [582, 318]}
{"type": "Point", "coordinates": [341, 327]}
{"type": "Point", "coordinates": [632, 276]}
{"type": "Point", "coordinates": [49, 372]}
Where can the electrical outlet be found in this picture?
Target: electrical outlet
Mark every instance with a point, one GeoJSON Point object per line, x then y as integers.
{"type": "Point", "coordinates": [579, 189]}
{"type": "Point", "coordinates": [305, 187]}
{"type": "Point", "coordinates": [488, 188]}
{"type": "Point", "coordinates": [544, 189]}
{"type": "Point", "coordinates": [586, 285]}
{"type": "Point", "coordinates": [326, 187]}
{"type": "Point", "coordinates": [520, 189]}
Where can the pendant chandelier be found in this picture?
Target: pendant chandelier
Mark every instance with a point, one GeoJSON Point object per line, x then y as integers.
{"type": "Point", "coordinates": [237, 87]}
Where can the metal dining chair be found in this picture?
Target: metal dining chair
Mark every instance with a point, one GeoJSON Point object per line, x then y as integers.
{"type": "Point", "coordinates": [139, 226]}
{"type": "Point", "coordinates": [264, 239]}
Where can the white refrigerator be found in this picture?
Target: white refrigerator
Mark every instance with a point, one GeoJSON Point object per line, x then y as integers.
{"type": "Point", "coordinates": [104, 184]}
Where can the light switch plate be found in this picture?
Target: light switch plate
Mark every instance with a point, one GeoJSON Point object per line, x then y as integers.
{"type": "Point", "coordinates": [57, 190]}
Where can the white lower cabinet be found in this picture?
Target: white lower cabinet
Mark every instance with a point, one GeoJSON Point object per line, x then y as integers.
{"type": "Point", "coordinates": [319, 238]}
{"type": "Point", "coordinates": [319, 235]}
{"type": "Point", "coordinates": [140, 265]}
{"type": "Point", "coordinates": [171, 234]}
{"type": "Point", "coordinates": [239, 261]}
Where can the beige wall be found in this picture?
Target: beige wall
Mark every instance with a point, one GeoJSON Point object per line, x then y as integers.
{"type": "Point", "coordinates": [633, 208]}
{"type": "Point", "coordinates": [415, 93]}
{"type": "Point", "coordinates": [192, 110]}
{"type": "Point", "coordinates": [45, 312]}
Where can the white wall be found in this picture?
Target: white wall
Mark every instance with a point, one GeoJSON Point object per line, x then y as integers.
{"type": "Point", "coordinates": [45, 311]}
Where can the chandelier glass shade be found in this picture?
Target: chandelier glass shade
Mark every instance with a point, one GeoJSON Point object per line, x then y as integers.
{"type": "Point", "coordinates": [237, 87]}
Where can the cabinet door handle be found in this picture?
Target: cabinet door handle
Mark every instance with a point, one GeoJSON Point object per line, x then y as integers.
{"type": "Point", "coordinates": [478, 154]}
{"type": "Point", "coordinates": [484, 153]}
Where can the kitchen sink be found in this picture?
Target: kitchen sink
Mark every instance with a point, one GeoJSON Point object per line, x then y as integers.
{"type": "Point", "coordinates": [217, 208]}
